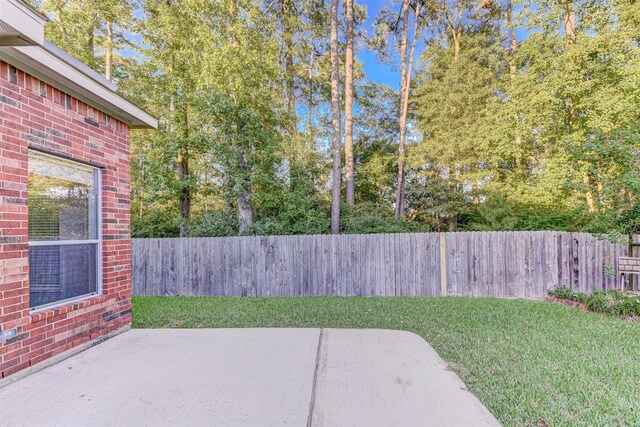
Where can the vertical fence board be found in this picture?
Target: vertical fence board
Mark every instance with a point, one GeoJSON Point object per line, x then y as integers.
{"type": "Point", "coordinates": [502, 264]}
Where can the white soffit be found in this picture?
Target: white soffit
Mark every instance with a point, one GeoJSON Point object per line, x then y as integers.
{"type": "Point", "coordinates": [20, 24]}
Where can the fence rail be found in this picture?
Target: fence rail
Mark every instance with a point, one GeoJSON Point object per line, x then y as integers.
{"type": "Point", "coordinates": [501, 264]}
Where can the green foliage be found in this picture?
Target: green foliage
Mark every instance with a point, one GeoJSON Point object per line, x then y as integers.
{"type": "Point", "coordinates": [80, 27]}
{"type": "Point", "coordinates": [214, 224]}
{"type": "Point", "coordinates": [376, 136]}
{"type": "Point", "coordinates": [157, 222]}
{"type": "Point", "coordinates": [299, 211]}
{"type": "Point", "coordinates": [279, 211]}
{"type": "Point", "coordinates": [543, 137]}
{"type": "Point", "coordinates": [367, 218]}
{"type": "Point", "coordinates": [537, 128]}
{"type": "Point", "coordinates": [432, 201]}
{"type": "Point", "coordinates": [453, 101]}
{"type": "Point", "coordinates": [494, 214]}
{"type": "Point", "coordinates": [564, 292]}
{"type": "Point", "coordinates": [544, 218]}
{"type": "Point", "coordinates": [610, 271]}
{"type": "Point", "coordinates": [612, 160]}
{"type": "Point", "coordinates": [613, 303]}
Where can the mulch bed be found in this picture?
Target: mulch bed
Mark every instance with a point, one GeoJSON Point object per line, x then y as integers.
{"type": "Point", "coordinates": [567, 302]}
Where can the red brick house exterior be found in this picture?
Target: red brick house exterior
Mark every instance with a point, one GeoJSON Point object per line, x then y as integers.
{"type": "Point", "coordinates": [53, 113]}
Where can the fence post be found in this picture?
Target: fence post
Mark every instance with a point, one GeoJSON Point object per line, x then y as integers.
{"type": "Point", "coordinates": [443, 265]}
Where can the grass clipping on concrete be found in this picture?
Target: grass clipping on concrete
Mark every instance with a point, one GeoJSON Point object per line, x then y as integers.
{"type": "Point", "coordinates": [530, 363]}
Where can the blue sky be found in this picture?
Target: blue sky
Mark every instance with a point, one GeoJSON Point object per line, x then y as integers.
{"type": "Point", "coordinates": [374, 70]}
{"type": "Point", "coordinates": [383, 73]}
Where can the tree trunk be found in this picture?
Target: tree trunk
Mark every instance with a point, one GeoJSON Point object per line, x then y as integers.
{"type": "Point", "coordinates": [245, 208]}
{"type": "Point", "coordinates": [570, 20]}
{"type": "Point", "coordinates": [474, 189]}
{"type": "Point", "coordinates": [108, 57]}
{"type": "Point", "coordinates": [348, 109]}
{"type": "Point", "coordinates": [403, 88]}
{"type": "Point", "coordinates": [227, 209]}
{"type": "Point", "coordinates": [185, 191]}
{"type": "Point", "coordinates": [591, 204]}
{"type": "Point", "coordinates": [513, 47]}
{"type": "Point", "coordinates": [456, 47]}
{"type": "Point", "coordinates": [400, 201]}
{"type": "Point", "coordinates": [227, 191]}
{"type": "Point", "coordinates": [289, 72]}
{"type": "Point", "coordinates": [452, 222]}
{"type": "Point", "coordinates": [452, 218]}
{"type": "Point", "coordinates": [456, 28]}
{"type": "Point", "coordinates": [570, 33]}
{"type": "Point", "coordinates": [292, 148]}
{"type": "Point", "coordinates": [335, 116]}
{"type": "Point", "coordinates": [185, 185]}
{"type": "Point", "coordinates": [90, 43]}
{"type": "Point", "coordinates": [310, 99]}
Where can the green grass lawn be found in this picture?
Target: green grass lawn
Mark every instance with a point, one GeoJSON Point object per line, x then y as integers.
{"type": "Point", "coordinates": [529, 362]}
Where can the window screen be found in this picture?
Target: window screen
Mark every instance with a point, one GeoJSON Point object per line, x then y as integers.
{"type": "Point", "coordinates": [63, 230]}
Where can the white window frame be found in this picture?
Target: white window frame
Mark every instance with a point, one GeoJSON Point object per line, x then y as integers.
{"type": "Point", "coordinates": [97, 242]}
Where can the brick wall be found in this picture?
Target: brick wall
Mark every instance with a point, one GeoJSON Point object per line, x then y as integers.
{"type": "Point", "coordinates": [34, 114]}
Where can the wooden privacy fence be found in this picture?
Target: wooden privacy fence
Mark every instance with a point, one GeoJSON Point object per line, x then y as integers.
{"type": "Point", "coordinates": [501, 264]}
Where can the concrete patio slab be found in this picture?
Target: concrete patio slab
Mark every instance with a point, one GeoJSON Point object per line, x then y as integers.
{"type": "Point", "coordinates": [389, 378]}
{"type": "Point", "coordinates": [247, 377]}
{"type": "Point", "coordinates": [173, 377]}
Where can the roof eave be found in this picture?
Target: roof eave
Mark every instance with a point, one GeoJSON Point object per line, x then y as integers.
{"type": "Point", "coordinates": [20, 24]}
{"type": "Point", "coordinates": [22, 44]}
{"type": "Point", "coordinates": [46, 66]}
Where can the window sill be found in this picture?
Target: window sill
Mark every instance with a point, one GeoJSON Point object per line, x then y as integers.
{"type": "Point", "coordinates": [48, 312]}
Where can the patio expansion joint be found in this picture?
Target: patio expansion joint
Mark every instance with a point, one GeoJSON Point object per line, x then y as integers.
{"type": "Point", "coordinates": [315, 379]}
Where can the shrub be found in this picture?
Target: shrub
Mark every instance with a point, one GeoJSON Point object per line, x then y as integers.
{"type": "Point", "coordinates": [156, 222]}
{"type": "Point", "coordinates": [214, 224]}
{"type": "Point", "coordinates": [613, 303]}
{"type": "Point", "coordinates": [370, 218]}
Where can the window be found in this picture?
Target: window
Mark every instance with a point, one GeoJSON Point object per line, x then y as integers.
{"type": "Point", "coordinates": [64, 230]}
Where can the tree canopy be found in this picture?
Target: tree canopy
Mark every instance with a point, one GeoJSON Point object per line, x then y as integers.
{"type": "Point", "coordinates": [509, 114]}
